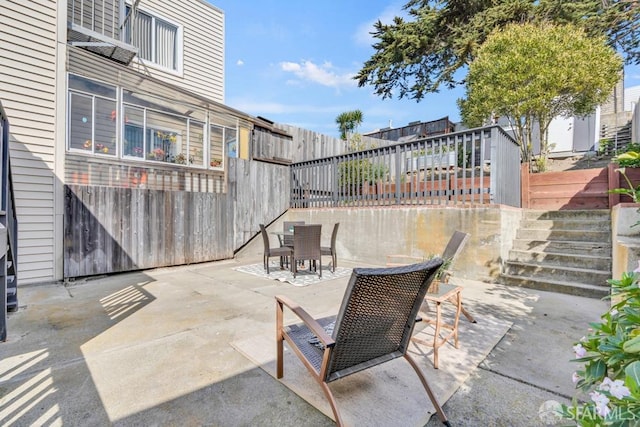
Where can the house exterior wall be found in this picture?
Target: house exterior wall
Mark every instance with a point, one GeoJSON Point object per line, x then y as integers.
{"type": "Point", "coordinates": [561, 132]}
{"type": "Point", "coordinates": [202, 46]}
{"type": "Point", "coordinates": [631, 97]}
{"type": "Point", "coordinates": [28, 84]}
{"type": "Point", "coordinates": [33, 69]}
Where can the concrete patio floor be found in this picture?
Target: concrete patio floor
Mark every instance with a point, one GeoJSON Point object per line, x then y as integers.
{"type": "Point", "coordinates": [152, 348]}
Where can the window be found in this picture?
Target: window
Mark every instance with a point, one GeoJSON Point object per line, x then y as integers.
{"type": "Point", "coordinates": [92, 116]}
{"type": "Point", "coordinates": [216, 136]}
{"type": "Point", "coordinates": [231, 142]}
{"type": "Point", "coordinates": [149, 129]}
{"type": "Point", "coordinates": [157, 40]}
{"type": "Point", "coordinates": [160, 137]}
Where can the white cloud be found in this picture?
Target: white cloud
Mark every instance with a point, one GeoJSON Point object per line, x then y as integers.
{"type": "Point", "coordinates": [239, 62]}
{"type": "Point", "coordinates": [265, 108]}
{"type": "Point", "coordinates": [324, 74]}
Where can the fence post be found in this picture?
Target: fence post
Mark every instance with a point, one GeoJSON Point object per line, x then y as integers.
{"type": "Point", "coordinates": [398, 173]}
{"type": "Point", "coordinates": [613, 178]}
{"type": "Point", "coordinates": [524, 186]}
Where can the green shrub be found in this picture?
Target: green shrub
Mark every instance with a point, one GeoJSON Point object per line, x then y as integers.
{"type": "Point", "coordinates": [630, 158]}
{"type": "Point", "coordinates": [611, 356]}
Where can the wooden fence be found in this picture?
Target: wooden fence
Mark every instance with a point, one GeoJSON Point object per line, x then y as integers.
{"type": "Point", "coordinates": [115, 229]}
{"type": "Point", "coordinates": [575, 189]}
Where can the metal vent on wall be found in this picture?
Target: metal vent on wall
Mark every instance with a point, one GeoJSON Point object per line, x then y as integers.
{"type": "Point", "coordinates": [100, 44]}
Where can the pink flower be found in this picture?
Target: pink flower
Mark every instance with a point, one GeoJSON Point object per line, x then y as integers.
{"type": "Point", "coordinates": [575, 377]}
{"type": "Point", "coordinates": [579, 350]}
{"type": "Point", "coordinates": [616, 388]}
{"type": "Point", "coordinates": [601, 402]}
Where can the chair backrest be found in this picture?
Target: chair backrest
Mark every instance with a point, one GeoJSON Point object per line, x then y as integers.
{"type": "Point", "coordinates": [377, 316]}
{"type": "Point", "coordinates": [265, 238]}
{"type": "Point", "coordinates": [306, 241]}
{"type": "Point", "coordinates": [334, 233]}
{"type": "Point", "coordinates": [454, 247]}
{"type": "Point", "coordinates": [287, 226]}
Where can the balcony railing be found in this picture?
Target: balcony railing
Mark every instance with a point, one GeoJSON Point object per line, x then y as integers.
{"type": "Point", "coordinates": [469, 167]}
{"type": "Point", "coordinates": [8, 232]}
{"type": "Point", "coordinates": [96, 25]}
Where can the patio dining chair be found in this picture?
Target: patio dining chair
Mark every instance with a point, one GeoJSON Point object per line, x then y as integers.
{"type": "Point", "coordinates": [284, 252]}
{"type": "Point", "coordinates": [287, 237]}
{"type": "Point", "coordinates": [374, 325]}
{"type": "Point", "coordinates": [455, 245]}
{"type": "Point", "coordinates": [306, 246]}
{"type": "Point", "coordinates": [331, 250]}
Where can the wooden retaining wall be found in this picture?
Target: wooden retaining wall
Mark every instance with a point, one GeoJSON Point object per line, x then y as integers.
{"type": "Point", "coordinates": [575, 189]}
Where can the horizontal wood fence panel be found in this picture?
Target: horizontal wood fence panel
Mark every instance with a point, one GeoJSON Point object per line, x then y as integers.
{"type": "Point", "coordinates": [577, 189]}
{"type": "Point", "coordinates": [550, 202]}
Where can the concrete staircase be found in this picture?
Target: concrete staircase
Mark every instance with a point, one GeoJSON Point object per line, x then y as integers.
{"type": "Point", "coordinates": [562, 251]}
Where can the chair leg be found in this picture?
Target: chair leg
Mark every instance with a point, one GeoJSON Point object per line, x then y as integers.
{"type": "Point", "coordinates": [266, 263]}
{"type": "Point", "coordinates": [423, 380]}
{"type": "Point", "coordinates": [335, 261]}
{"type": "Point", "coordinates": [294, 267]}
{"type": "Point", "coordinates": [332, 402]}
{"type": "Point", "coordinates": [279, 340]}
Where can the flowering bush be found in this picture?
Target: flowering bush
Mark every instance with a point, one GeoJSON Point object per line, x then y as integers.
{"type": "Point", "coordinates": [611, 357]}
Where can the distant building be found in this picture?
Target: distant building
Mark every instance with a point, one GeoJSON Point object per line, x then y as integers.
{"type": "Point", "coordinates": [414, 130]}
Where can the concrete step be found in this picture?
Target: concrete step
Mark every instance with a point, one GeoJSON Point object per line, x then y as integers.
{"type": "Point", "coordinates": [597, 262]}
{"type": "Point", "coordinates": [566, 224]}
{"type": "Point", "coordinates": [560, 286]}
{"type": "Point", "coordinates": [562, 251]}
{"type": "Point", "coordinates": [564, 246]}
{"type": "Point", "coordinates": [587, 276]}
{"type": "Point", "coordinates": [573, 235]}
{"type": "Point", "coordinates": [588, 214]}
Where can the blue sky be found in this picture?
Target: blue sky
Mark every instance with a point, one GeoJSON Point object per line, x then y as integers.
{"type": "Point", "coordinates": [292, 62]}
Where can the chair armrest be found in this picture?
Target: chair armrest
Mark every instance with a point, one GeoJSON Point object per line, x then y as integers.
{"type": "Point", "coordinates": [311, 323]}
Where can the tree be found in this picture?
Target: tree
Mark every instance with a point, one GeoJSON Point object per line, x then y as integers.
{"type": "Point", "coordinates": [532, 73]}
{"type": "Point", "coordinates": [415, 57]}
{"type": "Point", "coordinates": [348, 123]}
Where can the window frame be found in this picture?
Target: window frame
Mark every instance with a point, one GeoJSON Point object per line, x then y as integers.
{"type": "Point", "coordinates": [121, 121]}
{"type": "Point", "coordinates": [179, 45]}
{"type": "Point", "coordinates": [92, 97]}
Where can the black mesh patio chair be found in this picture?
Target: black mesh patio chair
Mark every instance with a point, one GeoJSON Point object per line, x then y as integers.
{"type": "Point", "coordinates": [306, 246]}
{"type": "Point", "coordinates": [331, 250]}
{"type": "Point", "coordinates": [283, 252]}
{"type": "Point", "coordinates": [374, 325]}
{"type": "Point", "coordinates": [451, 251]}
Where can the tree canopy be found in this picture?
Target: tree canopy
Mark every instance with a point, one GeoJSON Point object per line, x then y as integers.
{"type": "Point", "coordinates": [532, 73]}
{"type": "Point", "coordinates": [417, 56]}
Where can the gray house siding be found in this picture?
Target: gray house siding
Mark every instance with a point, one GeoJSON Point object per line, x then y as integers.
{"type": "Point", "coordinates": [28, 92]}
{"type": "Point", "coordinates": [202, 46]}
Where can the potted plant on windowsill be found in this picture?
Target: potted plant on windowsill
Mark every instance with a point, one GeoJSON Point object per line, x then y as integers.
{"type": "Point", "coordinates": [215, 163]}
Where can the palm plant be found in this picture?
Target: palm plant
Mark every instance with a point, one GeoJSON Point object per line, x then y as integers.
{"type": "Point", "coordinates": [348, 123]}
